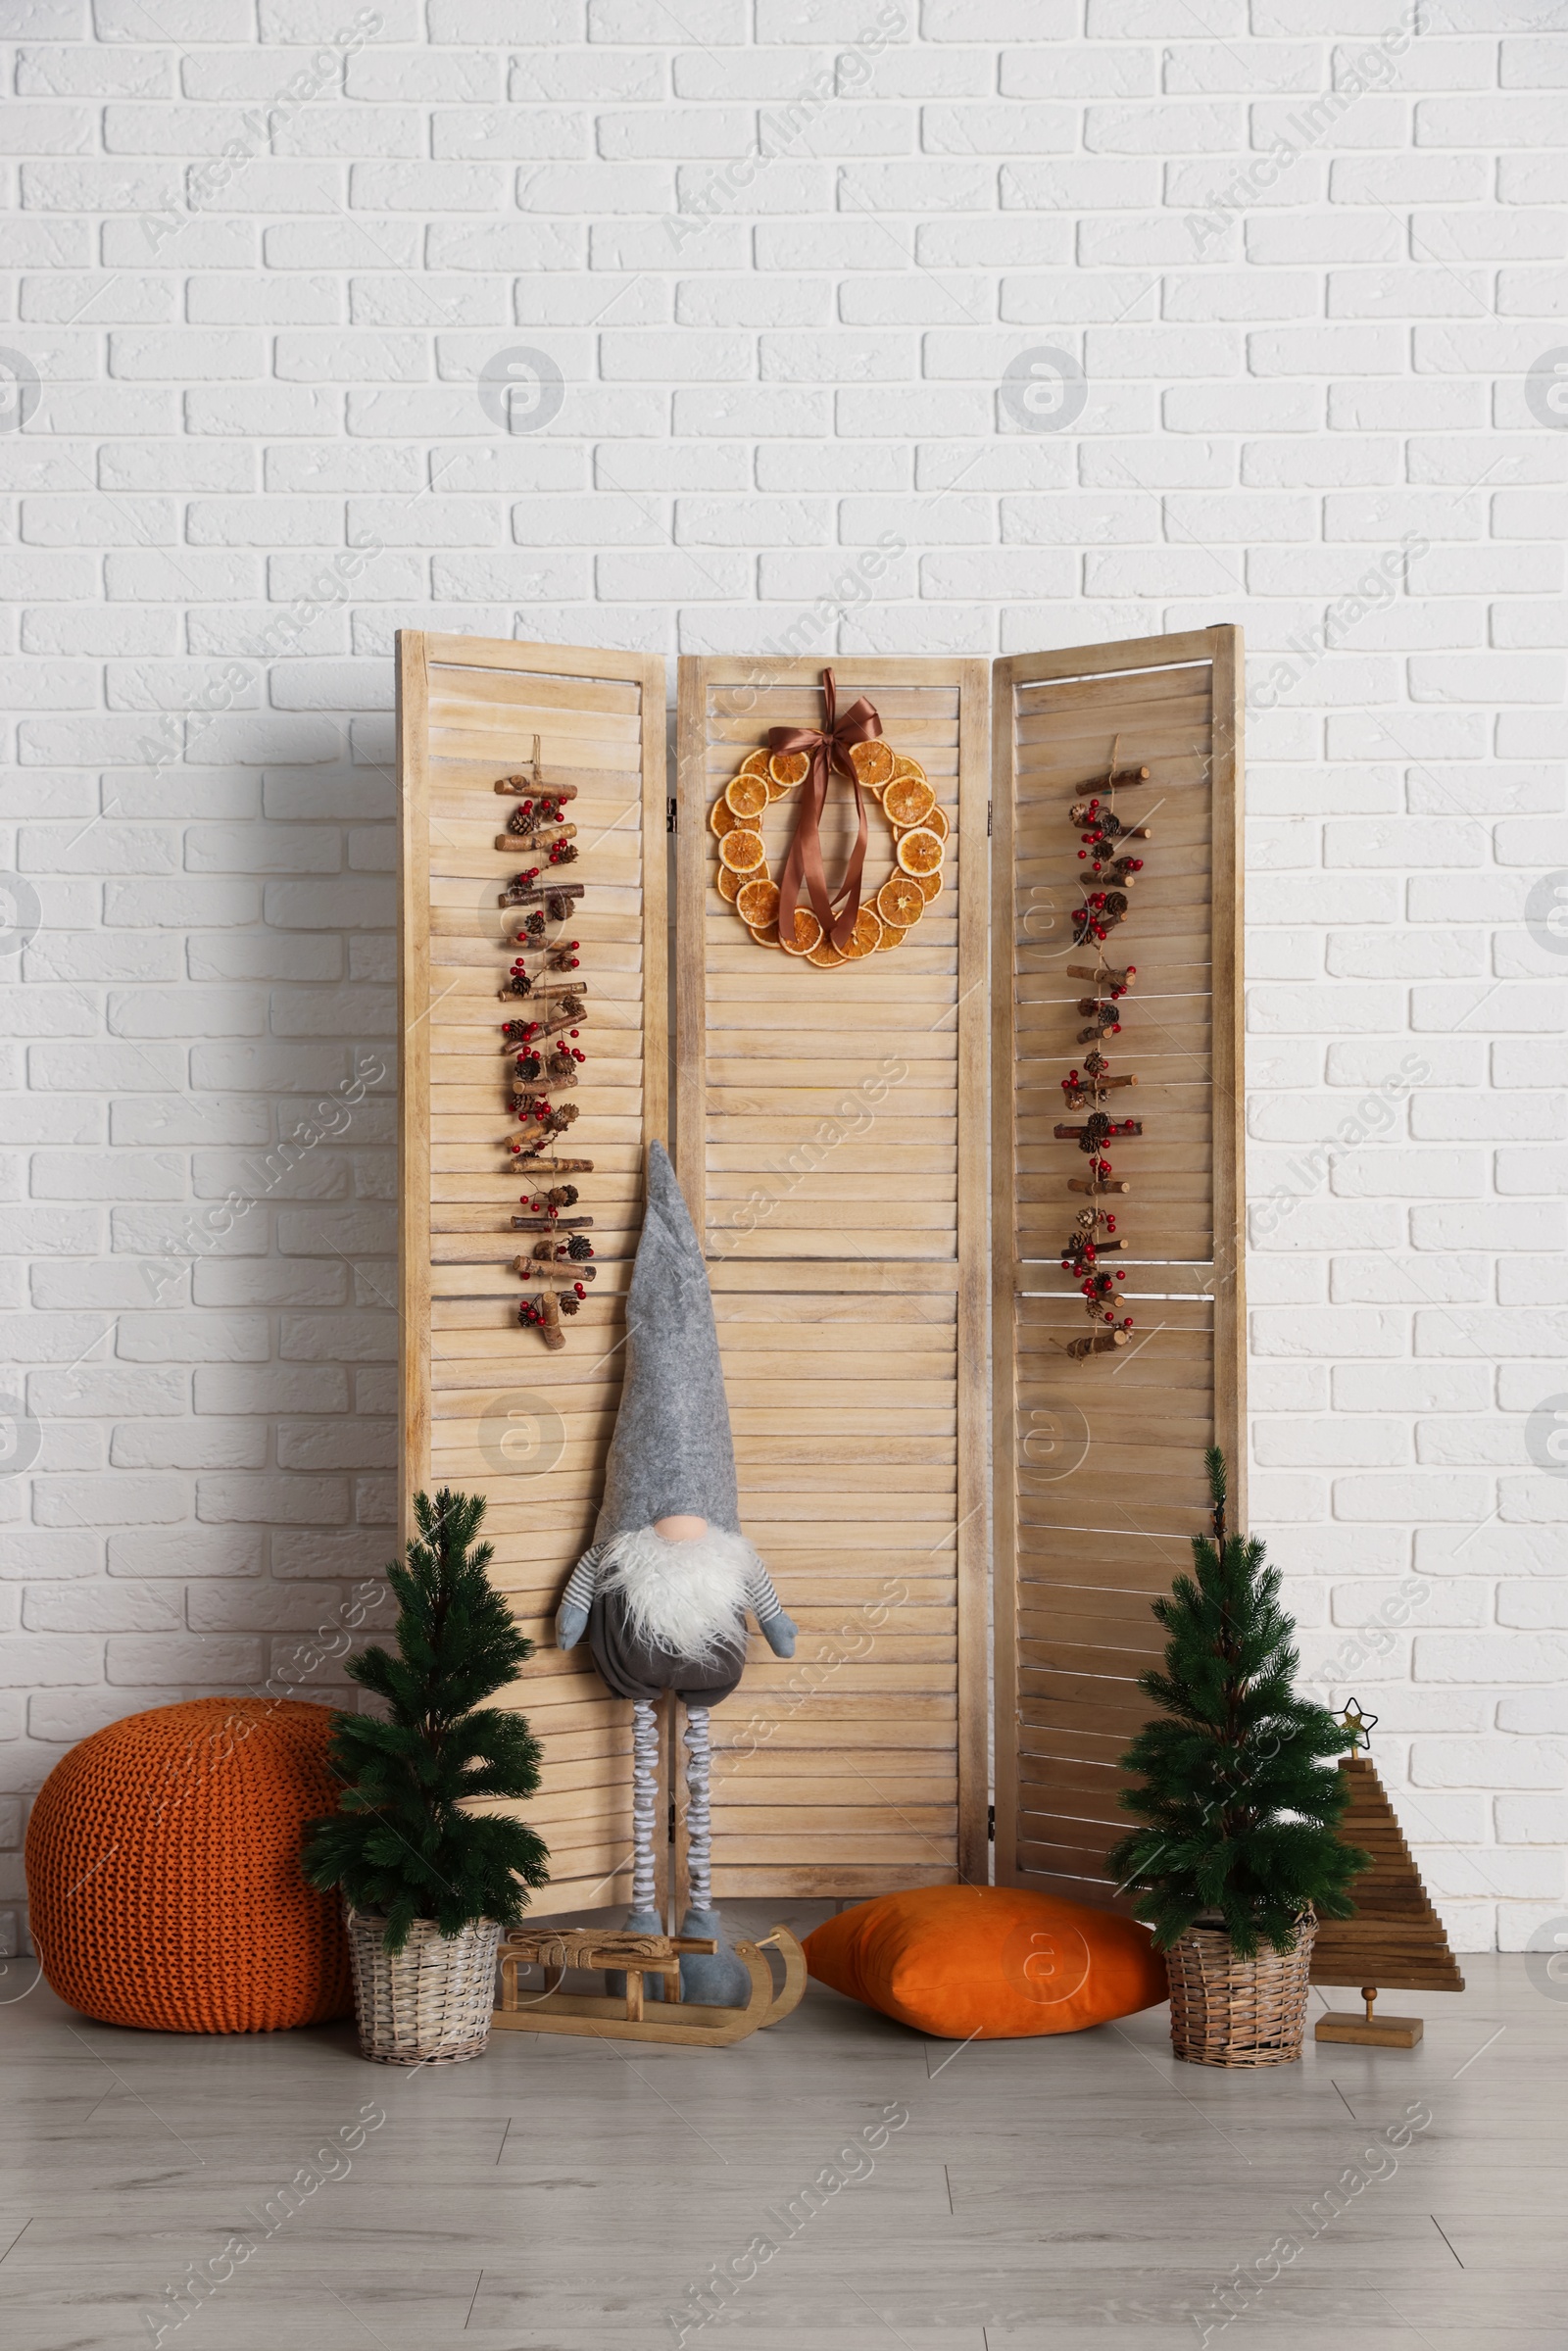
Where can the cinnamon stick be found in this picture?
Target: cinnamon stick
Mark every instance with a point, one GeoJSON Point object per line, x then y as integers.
{"type": "Point", "coordinates": [534, 1270]}
{"type": "Point", "coordinates": [534, 840]}
{"type": "Point", "coordinates": [533, 893]}
{"type": "Point", "coordinates": [519, 785]}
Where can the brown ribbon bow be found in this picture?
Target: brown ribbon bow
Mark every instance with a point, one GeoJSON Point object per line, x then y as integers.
{"type": "Point", "coordinates": [827, 748]}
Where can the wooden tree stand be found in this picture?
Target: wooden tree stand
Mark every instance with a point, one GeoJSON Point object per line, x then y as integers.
{"type": "Point", "coordinates": [604, 2016]}
{"type": "Point", "coordinates": [1371, 2032]}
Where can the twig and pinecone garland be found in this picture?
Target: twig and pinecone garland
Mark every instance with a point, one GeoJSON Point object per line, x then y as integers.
{"type": "Point", "coordinates": [543, 1050]}
{"type": "Point", "coordinates": [1110, 872]}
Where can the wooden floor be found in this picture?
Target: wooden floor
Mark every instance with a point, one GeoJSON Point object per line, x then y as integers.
{"type": "Point", "coordinates": [558, 2195]}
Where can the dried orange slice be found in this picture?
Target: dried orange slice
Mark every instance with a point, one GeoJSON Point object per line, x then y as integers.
{"type": "Point", "coordinates": [742, 850]}
{"type": "Point", "coordinates": [807, 933]}
{"type": "Point", "coordinates": [778, 791]}
{"type": "Point", "coordinates": [903, 764]}
{"type": "Point", "coordinates": [872, 762]}
{"type": "Point", "coordinates": [930, 884]}
{"type": "Point", "coordinates": [891, 936]}
{"type": "Point", "coordinates": [720, 819]}
{"type": "Point", "coordinates": [901, 901]}
{"type": "Point", "coordinates": [909, 800]}
{"type": "Point", "coordinates": [729, 884]}
{"type": "Point", "coordinates": [919, 852]}
{"type": "Point", "coordinates": [786, 769]}
{"type": "Point", "coordinates": [746, 796]}
{"type": "Point", "coordinates": [757, 903]}
{"type": "Point", "coordinates": [765, 934]}
{"type": "Point", "coordinates": [825, 955]}
{"type": "Point", "coordinates": [866, 936]}
{"type": "Point", "coordinates": [754, 763]}
{"type": "Point", "coordinates": [935, 822]}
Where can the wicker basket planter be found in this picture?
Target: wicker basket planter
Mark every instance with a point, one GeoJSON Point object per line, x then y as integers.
{"type": "Point", "coordinates": [429, 2003]}
{"type": "Point", "coordinates": [1225, 2010]}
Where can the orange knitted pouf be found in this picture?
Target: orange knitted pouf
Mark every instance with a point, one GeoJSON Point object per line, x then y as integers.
{"type": "Point", "coordinates": [164, 1870]}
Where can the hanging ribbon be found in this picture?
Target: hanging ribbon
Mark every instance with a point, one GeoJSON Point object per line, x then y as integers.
{"type": "Point", "coordinates": [826, 748]}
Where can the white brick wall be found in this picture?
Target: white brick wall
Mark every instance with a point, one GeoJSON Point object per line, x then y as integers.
{"type": "Point", "coordinates": [779, 262]}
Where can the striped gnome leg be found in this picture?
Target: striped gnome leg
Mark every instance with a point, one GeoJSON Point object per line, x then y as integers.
{"type": "Point", "coordinates": [644, 1812]}
{"type": "Point", "coordinates": [718, 1979]}
{"type": "Point", "coordinates": [643, 1917]}
{"type": "Point", "coordinates": [698, 1816]}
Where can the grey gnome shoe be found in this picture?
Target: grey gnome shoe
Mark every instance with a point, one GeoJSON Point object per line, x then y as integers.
{"type": "Point", "coordinates": [717, 1979]}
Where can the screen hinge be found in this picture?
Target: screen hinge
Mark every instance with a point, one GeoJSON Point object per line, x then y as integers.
{"type": "Point", "coordinates": [988, 820]}
{"type": "Point", "coordinates": [990, 1824]}
{"type": "Point", "coordinates": [670, 815]}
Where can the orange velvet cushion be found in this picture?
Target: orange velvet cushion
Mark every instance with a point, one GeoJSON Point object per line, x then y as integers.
{"type": "Point", "coordinates": [988, 1962]}
{"type": "Point", "coordinates": [164, 1870]}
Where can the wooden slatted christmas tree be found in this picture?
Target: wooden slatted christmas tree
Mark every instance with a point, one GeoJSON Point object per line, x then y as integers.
{"type": "Point", "coordinates": [1395, 1940]}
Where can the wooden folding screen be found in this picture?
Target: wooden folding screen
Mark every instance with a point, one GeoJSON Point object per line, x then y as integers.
{"type": "Point", "coordinates": [1098, 1461]}
{"type": "Point", "coordinates": [484, 1405]}
{"type": "Point", "coordinates": [831, 1141]}
{"type": "Point", "coordinates": [831, 1145]}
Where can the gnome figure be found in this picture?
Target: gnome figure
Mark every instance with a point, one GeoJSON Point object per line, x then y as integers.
{"type": "Point", "coordinates": [664, 1589]}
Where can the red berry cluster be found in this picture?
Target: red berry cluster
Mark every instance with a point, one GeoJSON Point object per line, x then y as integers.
{"type": "Point", "coordinates": [1098, 916]}
{"type": "Point", "coordinates": [1081, 1258]}
{"type": "Point", "coordinates": [1104, 828]}
{"type": "Point", "coordinates": [550, 1203]}
{"type": "Point", "coordinates": [528, 815]}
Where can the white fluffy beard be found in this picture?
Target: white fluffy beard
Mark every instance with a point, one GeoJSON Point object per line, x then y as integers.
{"type": "Point", "coordinates": [688, 1597]}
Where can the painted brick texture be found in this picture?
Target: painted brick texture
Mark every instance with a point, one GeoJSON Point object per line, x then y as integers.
{"type": "Point", "coordinates": [858, 326]}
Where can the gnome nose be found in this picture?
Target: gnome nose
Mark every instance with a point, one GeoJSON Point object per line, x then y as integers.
{"type": "Point", "coordinates": [680, 1527]}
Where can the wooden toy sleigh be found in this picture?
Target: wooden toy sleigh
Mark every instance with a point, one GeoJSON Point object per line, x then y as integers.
{"type": "Point", "coordinates": [632, 2016]}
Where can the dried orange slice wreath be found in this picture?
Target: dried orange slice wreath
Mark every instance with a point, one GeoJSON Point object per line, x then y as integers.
{"type": "Point", "coordinates": [920, 834]}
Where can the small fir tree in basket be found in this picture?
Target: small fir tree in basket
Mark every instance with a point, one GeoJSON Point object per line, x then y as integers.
{"type": "Point", "coordinates": [402, 1843]}
{"type": "Point", "coordinates": [1239, 1805]}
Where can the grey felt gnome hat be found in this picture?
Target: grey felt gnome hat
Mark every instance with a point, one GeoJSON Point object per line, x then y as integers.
{"type": "Point", "coordinates": [672, 1452]}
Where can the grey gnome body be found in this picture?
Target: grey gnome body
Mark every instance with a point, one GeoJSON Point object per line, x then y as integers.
{"type": "Point", "coordinates": [664, 1589]}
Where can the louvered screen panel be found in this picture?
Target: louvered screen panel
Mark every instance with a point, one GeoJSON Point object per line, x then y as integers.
{"type": "Point", "coordinates": [484, 1404]}
{"type": "Point", "coordinates": [1099, 1460]}
{"type": "Point", "coordinates": [831, 1141]}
